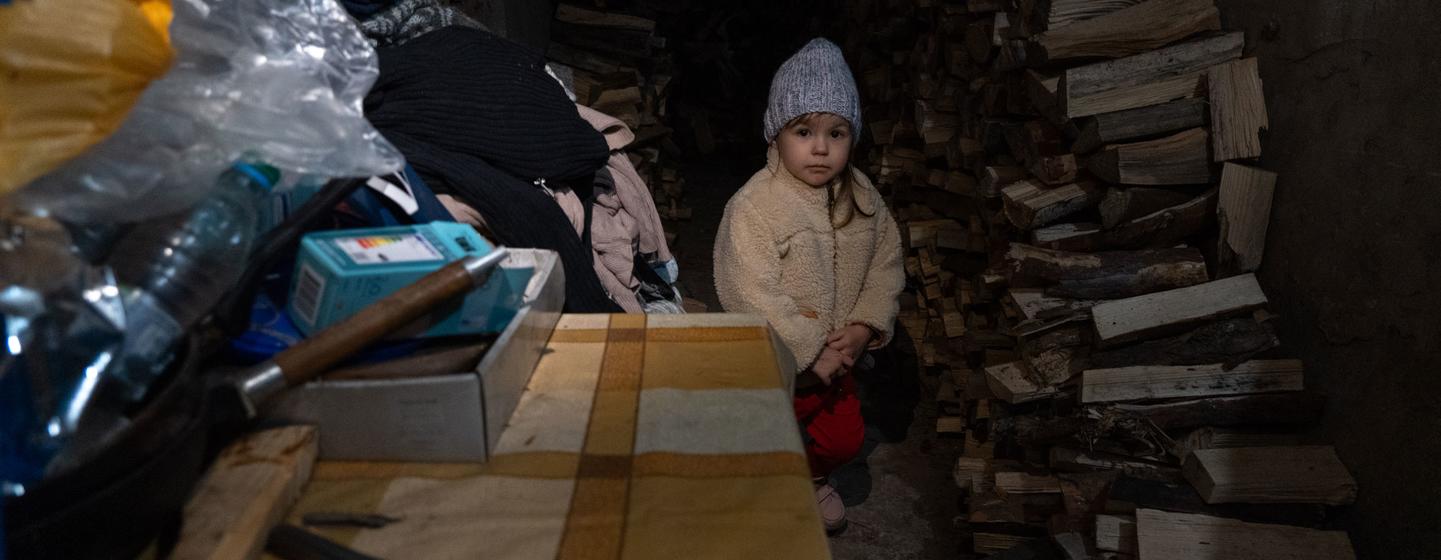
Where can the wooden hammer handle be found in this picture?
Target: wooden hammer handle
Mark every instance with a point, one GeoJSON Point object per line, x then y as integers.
{"type": "Point", "coordinates": [314, 355]}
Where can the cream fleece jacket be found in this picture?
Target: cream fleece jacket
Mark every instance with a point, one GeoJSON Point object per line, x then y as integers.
{"type": "Point", "coordinates": [777, 255]}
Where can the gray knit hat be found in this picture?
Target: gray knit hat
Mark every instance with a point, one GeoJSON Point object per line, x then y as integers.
{"type": "Point", "coordinates": [815, 79]}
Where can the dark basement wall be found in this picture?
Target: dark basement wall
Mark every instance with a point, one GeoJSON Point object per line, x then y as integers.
{"type": "Point", "coordinates": [1353, 256]}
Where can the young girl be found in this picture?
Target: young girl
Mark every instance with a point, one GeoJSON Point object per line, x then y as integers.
{"type": "Point", "coordinates": [808, 244]}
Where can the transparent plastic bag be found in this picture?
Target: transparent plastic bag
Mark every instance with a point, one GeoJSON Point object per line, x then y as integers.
{"type": "Point", "coordinates": [282, 80]}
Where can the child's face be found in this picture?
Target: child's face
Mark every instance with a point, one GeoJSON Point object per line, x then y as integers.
{"type": "Point", "coordinates": [815, 148]}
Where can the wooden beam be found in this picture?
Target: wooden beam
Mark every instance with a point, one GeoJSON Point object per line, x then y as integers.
{"type": "Point", "coordinates": [1152, 78]}
{"type": "Point", "coordinates": [1154, 314]}
{"type": "Point", "coordinates": [1238, 110]}
{"type": "Point", "coordinates": [1123, 205]}
{"type": "Point", "coordinates": [1185, 536]}
{"type": "Point", "coordinates": [1104, 275]}
{"type": "Point", "coordinates": [1136, 383]}
{"type": "Point", "coordinates": [1243, 211]}
{"type": "Point", "coordinates": [1166, 227]}
{"type": "Point", "coordinates": [1133, 30]}
{"type": "Point", "coordinates": [1116, 533]}
{"type": "Point", "coordinates": [1294, 409]}
{"type": "Point", "coordinates": [1143, 122]}
{"type": "Point", "coordinates": [246, 493]}
{"type": "Point", "coordinates": [1029, 204]}
{"type": "Point", "coordinates": [1178, 159]}
{"type": "Point", "coordinates": [1302, 474]}
{"type": "Point", "coordinates": [1227, 341]}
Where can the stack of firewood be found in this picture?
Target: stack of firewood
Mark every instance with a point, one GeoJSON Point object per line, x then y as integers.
{"type": "Point", "coordinates": [1077, 186]}
{"type": "Point", "coordinates": [619, 65]}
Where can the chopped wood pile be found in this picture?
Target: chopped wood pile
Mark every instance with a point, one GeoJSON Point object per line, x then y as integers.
{"type": "Point", "coordinates": [620, 64]}
{"type": "Point", "coordinates": [1077, 188]}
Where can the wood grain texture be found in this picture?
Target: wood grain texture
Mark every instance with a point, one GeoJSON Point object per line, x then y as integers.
{"type": "Point", "coordinates": [1012, 383]}
{"type": "Point", "coordinates": [1243, 211]}
{"type": "Point", "coordinates": [1152, 314]}
{"type": "Point", "coordinates": [245, 493]}
{"type": "Point", "coordinates": [1161, 382]}
{"type": "Point", "coordinates": [1238, 109]}
{"type": "Point", "coordinates": [1183, 536]}
{"type": "Point", "coordinates": [1165, 227]}
{"type": "Point", "coordinates": [1116, 533]}
{"type": "Point", "coordinates": [1294, 408]}
{"type": "Point", "coordinates": [1123, 205]}
{"type": "Point", "coordinates": [1178, 159]}
{"type": "Point", "coordinates": [1030, 204]}
{"type": "Point", "coordinates": [1105, 274]}
{"type": "Point", "coordinates": [1132, 30]}
{"type": "Point", "coordinates": [1302, 474]}
{"type": "Point", "coordinates": [1159, 76]}
{"type": "Point", "coordinates": [1143, 122]}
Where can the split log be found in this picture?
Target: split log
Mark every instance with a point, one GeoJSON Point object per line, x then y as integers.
{"type": "Point", "coordinates": [1024, 483]}
{"type": "Point", "coordinates": [1243, 211]}
{"type": "Point", "coordinates": [1012, 383]}
{"type": "Point", "coordinates": [1184, 536]}
{"type": "Point", "coordinates": [1126, 495]}
{"type": "Point", "coordinates": [1294, 409]}
{"type": "Point", "coordinates": [1178, 159]}
{"type": "Point", "coordinates": [1029, 205]}
{"type": "Point", "coordinates": [1219, 438]}
{"type": "Point", "coordinates": [1303, 474]}
{"type": "Point", "coordinates": [1136, 29]}
{"type": "Point", "coordinates": [1163, 382]}
{"type": "Point", "coordinates": [1152, 78]}
{"type": "Point", "coordinates": [1068, 237]}
{"type": "Point", "coordinates": [1041, 87]}
{"type": "Point", "coordinates": [971, 473]}
{"type": "Point", "coordinates": [1107, 274]}
{"type": "Point", "coordinates": [1154, 314]}
{"type": "Point", "coordinates": [1116, 533]}
{"type": "Point", "coordinates": [1055, 170]}
{"type": "Point", "coordinates": [1034, 304]}
{"type": "Point", "coordinates": [1075, 460]}
{"type": "Point", "coordinates": [995, 178]}
{"type": "Point", "coordinates": [246, 493]}
{"type": "Point", "coordinates": [1143, 122]}
{"type": "Point", "coordinates": [1238, 110]}
{"type": "Point", "coordinates": [1229, 341]}
{"type": "Point", "coordinates": [1124, 205]}
{"type": "Point", "coordinates": [1164, 228]}
{"type": "Point", "coordinates": [1044, 15]}
{"type": "Point", "coordinates": [1036, 430]}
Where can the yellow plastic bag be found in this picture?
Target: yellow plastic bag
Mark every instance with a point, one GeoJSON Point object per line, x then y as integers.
{"type": "Point", "coordinates": [70, 70]}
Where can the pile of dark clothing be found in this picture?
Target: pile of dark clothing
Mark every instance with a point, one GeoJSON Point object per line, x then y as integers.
{"type": "Point", "coordinates": [493, 134]}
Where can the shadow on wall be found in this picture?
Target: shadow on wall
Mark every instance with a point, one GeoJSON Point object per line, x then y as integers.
{"type": "Point", "coordinates": [1353, 257]}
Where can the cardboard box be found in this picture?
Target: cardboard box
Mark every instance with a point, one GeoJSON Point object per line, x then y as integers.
{"type": "Point", "coordinates": [340, 272]}
{"type": "Point", "coordinates": [440, 418]}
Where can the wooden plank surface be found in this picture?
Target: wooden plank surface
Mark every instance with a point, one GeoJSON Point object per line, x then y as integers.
{"type": "Point", "coordinates": [1143, 122]}
{"type": "Point", "coordinates": [1183, 536]}
{"type": "Point", "coordinates": [1011, 383]}
{"type": "Point", "coordinates": [1132, 30]}
{"type": "Point", "coordinates": [1025, 483]}
{"type": "Point", "coordinates": [245, 493]}
{"type": "Point", "coordinates": [1161, 382]}
{"type": "Point", "coordinates": [1302, 474]}
{"type": "Point", "coordinates": [1243, 211]}
{"type": "Point", "coordinates": [1159, 76]}
{"type": "Point", "coordinates": [1238, 110]}
{"type": "Point", "coordinates": [1151, 314]}
{"type": "Point", "coordinates": [1178, 159]}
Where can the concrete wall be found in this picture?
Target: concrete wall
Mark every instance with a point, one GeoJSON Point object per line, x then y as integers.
{"type": "Point", "coordinates": [1353, 258]}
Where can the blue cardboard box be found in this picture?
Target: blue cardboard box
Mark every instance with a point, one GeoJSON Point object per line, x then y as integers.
{"type": "Point", "coordinates": [340, 272]}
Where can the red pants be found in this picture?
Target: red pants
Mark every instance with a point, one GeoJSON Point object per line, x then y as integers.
{"type": "Point", "coordinates": [831, 419]}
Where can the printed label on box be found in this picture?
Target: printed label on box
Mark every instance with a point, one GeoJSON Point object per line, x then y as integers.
{"type": "Point", "coordinates": [307, 293]}
{"type": "Point", "coordinates": [378, 249]}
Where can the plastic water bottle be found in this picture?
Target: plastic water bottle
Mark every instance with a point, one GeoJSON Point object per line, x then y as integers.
{"type": "Point", "coordinates": [178, 269]}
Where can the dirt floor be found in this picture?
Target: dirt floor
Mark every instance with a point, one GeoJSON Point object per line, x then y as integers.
{"type": "Point", "coordinates": [900, 498]}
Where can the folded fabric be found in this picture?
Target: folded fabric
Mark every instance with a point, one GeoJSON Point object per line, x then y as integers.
{"type": "Point", "coordinates": [396, 23]}
{"type": "Point", "coordinates": [479, 119]}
